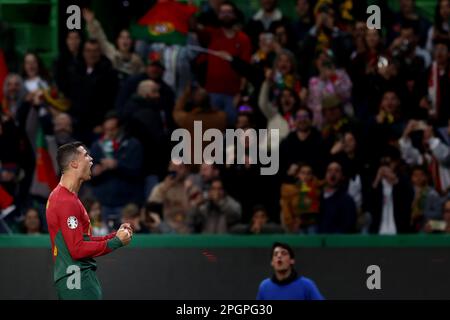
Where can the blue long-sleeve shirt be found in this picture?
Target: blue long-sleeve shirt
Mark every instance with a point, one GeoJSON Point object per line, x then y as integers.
{"type": "Point", "coordinates": [300, 289]}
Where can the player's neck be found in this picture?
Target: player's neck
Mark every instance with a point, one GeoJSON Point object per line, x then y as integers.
{"type": "Point", "coordinates": [70, 183]}
{"type": "Point", "coordinates": [282, 275]}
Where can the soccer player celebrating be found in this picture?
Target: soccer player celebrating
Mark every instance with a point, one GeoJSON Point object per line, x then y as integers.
{"type": "Point", "coordinates": [73, 246]}
{"type": "Point", "coordinates": [285, 284]}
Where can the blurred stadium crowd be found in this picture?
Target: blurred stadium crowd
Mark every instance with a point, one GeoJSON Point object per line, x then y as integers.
{"type": "Point", "coordinates": [363, 117]}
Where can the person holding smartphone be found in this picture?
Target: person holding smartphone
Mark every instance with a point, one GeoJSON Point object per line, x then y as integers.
{"type": "Point", "coordinates": [440, 226]}
{"type": "Point", "coordinates": [173, 195]}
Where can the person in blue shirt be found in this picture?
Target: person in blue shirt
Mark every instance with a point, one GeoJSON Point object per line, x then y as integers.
{"type": "Point", "coordinates": [286, 284]}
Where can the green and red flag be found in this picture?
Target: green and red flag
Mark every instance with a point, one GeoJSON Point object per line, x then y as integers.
{"type": "Point", "coordinates": [167, 22]}
{"type": "Point", "coordinates": [45, 172]}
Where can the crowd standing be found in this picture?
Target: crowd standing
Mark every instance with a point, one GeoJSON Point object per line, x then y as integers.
{"type": "Point", "coordinates": [363, 117]}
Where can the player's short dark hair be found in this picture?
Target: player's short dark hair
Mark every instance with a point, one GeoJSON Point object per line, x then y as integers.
{"type": "Point", "coordinates": [284, 246]}
{"type": "Point", "coordinates": [66, 154]}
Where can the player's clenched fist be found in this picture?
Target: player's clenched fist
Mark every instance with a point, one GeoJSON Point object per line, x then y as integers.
{"type": "Point", "coordinates": [127, 226]}
{"type": "Point", "coordinates": [124, 235]}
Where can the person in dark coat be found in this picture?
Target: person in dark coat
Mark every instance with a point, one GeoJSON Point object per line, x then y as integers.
{"type": "Point", "coordinates": [68, 60]}
{"type": "Point", "coordinates": [145, 117]}
{"type": "Point", "coordinates": [267, 19]}
{"type": "Point", "coordinates": [337, 208]}
{"type": "Point", "coordinates": [392, 197]}
{"type": "Point", "coordinates": [91, 89]}
{"type": "Point", "coordinates": [117, 169]}
{"type": "Point", "coordinates": [303, 145]}
{"type": "Point", "coordinates": [154, 71]}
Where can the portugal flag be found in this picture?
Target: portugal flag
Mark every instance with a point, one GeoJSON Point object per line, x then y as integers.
{"type": "Point", "coordinates": [167, 21]}
{"type": "Point", "coordinates": [44, 166]}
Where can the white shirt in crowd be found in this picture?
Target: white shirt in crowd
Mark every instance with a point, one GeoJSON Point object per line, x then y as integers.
{"type": "Point", "coordinates": [387, 225]}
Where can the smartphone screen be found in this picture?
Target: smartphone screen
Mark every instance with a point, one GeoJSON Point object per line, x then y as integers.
{"type": "Point", "coordinates": [438, 225]}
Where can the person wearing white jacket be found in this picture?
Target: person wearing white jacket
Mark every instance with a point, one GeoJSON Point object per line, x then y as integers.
{"type": "Point", "coordinates": [281, 115]}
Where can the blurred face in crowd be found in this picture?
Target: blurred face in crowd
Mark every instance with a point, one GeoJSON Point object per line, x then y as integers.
{"type": "Point", "coordinates": [208, 172]}
{"type": "Point", "coordinates": [419, 178]}
{"type": "Point", "coordinates": [372, 39]}
{"type": "Point", "coordinates": [266, 41]}
{"type": "Point", "coordinates": [446, 212]}
{"type": "Point", "coordinates": [287, 101]}
{"type": "Point", "coordinates": [407, 34]}
{"type": "Point", "coordinates": [124, 41]}
{"type": "Point", "coordinates": [227, 16]}
{"type": "Point", "coordinates": [200, 97]}
{"type": "Point", "coordinates": [441, 54]}
{"type": "Point", "coordinates": [302, 7]}
{"type": "Point", "coordinates": [148, 89]}
{"type": "Point", "coordinates": [73, 42]}
{"type": "Point", "coordinates": [390, 102]}
{"type": "Point", "coordinates": [333, 175]}
{"type": "Point", "coordinates": [180, 169]}
{"type": "Point", "coordinates": [243, 122]}
{"type": "Point", "coordinates": [305, 174]}
{"type": "Point", "coordinates": [327, 17]}
{"type": "Point", "coordinates": [31, 65]}
{"type": "Point", "coordinates": [32, 222]}
{"type": "Point", "coordinates": [260, 218]}
{"type": "Point", "coordinates": [389, 162]}
{"type": "Point", "coordinates": [332, 115]}
{"type": "Point", "coordinates": [62, 122]}
{"type": "Point", "coordinates": [360, 29]}
{"type": "Point", "coordinates": [154, 72]}
{"type": "Point", "coordinates": [216, 190]}
{"type": "Point", "coordinates": [13, 87]}
{"type": "Point", "coordinates": [324, 62]}
{"type": "Point", "coordinates": [91, 53]}
{"type": "Point", "coordinates": [268, 5]}
{"type": "Point", "coordinates": [131, 215]}
{"type": "Point", "coordinates": [281, 260]}
{"type": "Point", "coordinates": [284, 64]}
{"type": "Point", "coordinates": [281, 35]}
{"type": "Point", "coordinates": [95, 211]}
{"type": "Point", "coordinates": [407, 6]}
{"type": "Point", "coordinates": [349, 143]}
{"type": "Point", "coordinates": [303, 120]}
{"type": "Point", "coordinates": [111, 128]}
{"type": "Point", "coordinates": [444, 10]}
{"type": "Point", "coordinates": [153, 90]}
{"type": "Point", "coordinates": [215, 4]}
